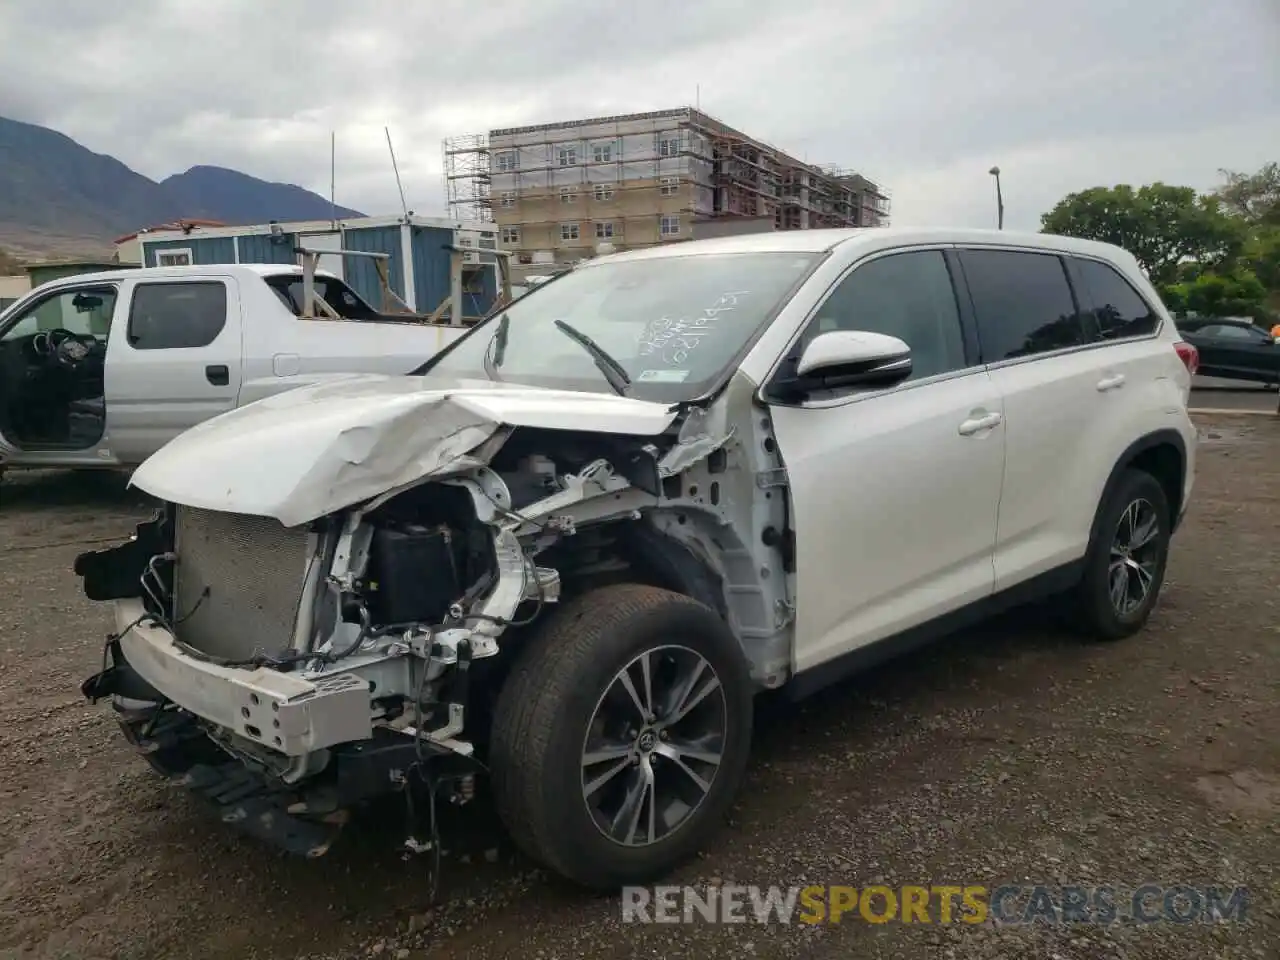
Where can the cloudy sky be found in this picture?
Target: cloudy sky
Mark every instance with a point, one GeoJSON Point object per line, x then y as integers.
{"type": "Point", "coordinates": [923, 95]}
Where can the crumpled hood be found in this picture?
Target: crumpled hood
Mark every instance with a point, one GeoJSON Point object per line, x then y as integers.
{"type": "Point", "coordinates": [304, 453]}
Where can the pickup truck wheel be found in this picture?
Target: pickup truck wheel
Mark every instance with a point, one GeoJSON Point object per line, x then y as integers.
{"type": "Point", "coordinates": [621, 735]}
{"type": "Point", "coordinates": [1125, 566]}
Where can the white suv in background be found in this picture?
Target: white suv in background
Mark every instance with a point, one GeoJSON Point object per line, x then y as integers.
{"type": "Point", "coordinates": [571, 548]}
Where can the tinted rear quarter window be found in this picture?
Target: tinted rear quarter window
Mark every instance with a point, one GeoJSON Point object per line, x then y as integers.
{"type": "Point", "coordinates": [1118, 309]}
{"type": "Point", "coordinates": [167, 316]}
{"type": "Point", "coordinates": [1022, 303]}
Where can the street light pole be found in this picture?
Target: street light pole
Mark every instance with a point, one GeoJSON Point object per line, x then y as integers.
{"type": "Point", "coordinates": [995, 172]}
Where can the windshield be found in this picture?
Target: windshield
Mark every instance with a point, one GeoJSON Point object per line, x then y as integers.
{"type": "Point", "coordinates": [674, 325]}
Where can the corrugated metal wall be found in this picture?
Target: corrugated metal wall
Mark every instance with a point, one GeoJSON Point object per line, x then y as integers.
{"type": "Point", "coordinates": [203, 249]}
{"type": "Point", "coordinates": [431, 274]}
{"type": "Point", "coordinates": [258, 248]}
{"type": "Point", "coordinates": [361, 272]}
{"type": "Point", "coordinates": [430, 266]}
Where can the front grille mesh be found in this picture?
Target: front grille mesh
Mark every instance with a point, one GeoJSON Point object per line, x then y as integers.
{"type": "Point", "coordinates": [253, 569]}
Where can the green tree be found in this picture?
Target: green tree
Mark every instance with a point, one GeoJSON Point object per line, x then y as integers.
{"type": "Point", "coordinates": [1262, 255]}
{"type": "Point", "coordinates": [1254, 200]}
{"type": "Point", "coordinates": [1210, 294]}
{"type": "Point", "coordinates": [1161, 225]}
{"type": "Point", "coordinates": [1253, 197]}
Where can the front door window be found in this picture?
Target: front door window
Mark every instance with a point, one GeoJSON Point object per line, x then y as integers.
{"type": "Point", "coordinates": [84, 312]}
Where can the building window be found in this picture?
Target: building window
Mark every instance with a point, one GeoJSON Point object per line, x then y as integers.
{"type": "Point", "coordinates": [507, 161]}
{"type": "Point", "coordinates": [669, 227]}
{"type": "Point", "coordinates": [602, 152]}
{"type": "Point", "coordinates": [669, 147]}
{"type": "Point", "coordinates": [568, 194]}
{"type": "Point", "coordinates": [604, 231]}
{"type": "Point", "coordinates": [510, 234]}
{"type": "Point", "coordinates": [604, 191]}
{"type": "Point", "coordinates": [174, 258]}
{"type": "Point", "coordinates": [509, 198]}
{"type": "Point", "coordinates": [568, 231]}
{"type": "Point", "coordinates": [669, 186]}
{"type": "Point", "coordinates": [568, 156]}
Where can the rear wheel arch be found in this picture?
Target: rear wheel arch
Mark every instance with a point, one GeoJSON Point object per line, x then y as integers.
{"type": "Point", "coordinates": [1163, 455]}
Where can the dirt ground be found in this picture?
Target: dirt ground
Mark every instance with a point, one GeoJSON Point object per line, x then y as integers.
{"type": "Point", "coordinates": [1010, 754]}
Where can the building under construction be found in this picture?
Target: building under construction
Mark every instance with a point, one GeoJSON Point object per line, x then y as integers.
{"type": "Point", "coordinates": [563, 191]}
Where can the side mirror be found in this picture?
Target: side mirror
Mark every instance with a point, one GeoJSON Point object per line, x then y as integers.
{"type": "Point", "coordinates": [850, 358]}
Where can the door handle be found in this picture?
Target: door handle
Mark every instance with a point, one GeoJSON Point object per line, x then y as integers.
{"type": "Point", "coordinates": [977, 424]}
{"type": "Point", "coordinates": [218, 374]}
{"type": "Point", "coordinates": [1111, 383]}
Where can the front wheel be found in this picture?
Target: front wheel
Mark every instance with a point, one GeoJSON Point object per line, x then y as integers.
{"type": "Point", "coordinates": [1124, 569]}
{"type": "Point", "coordinates": [621, 735]}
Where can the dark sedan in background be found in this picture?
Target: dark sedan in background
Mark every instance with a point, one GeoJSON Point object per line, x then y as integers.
{"type": "Point", "coordinates": [1234, 349]}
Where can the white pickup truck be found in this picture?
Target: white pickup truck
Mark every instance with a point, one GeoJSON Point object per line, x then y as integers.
{"type": "Point", "coordinates": [103, 369]}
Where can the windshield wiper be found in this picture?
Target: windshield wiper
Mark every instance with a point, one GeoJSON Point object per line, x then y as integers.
{"type": "Point", "coordinates": [609, 367]}
{"type": "Point", "coordinates": [498, 345]}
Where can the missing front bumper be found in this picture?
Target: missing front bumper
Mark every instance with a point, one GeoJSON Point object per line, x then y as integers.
{"type": "Point", "coordinates": [304, 819]}
{"type": "Point", "coordinates": [284, 712]}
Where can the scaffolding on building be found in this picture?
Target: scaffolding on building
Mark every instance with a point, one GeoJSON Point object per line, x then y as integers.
{"type": "Point", "coordinates": [733, 176]}
{"type": "Point", "coordinates": [584, 194]}
{"type": "Point", "coordinates": [467, 178]}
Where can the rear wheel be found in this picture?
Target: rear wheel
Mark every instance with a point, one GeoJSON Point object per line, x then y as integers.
{"type": "Point", "coordinates": [621, 735]}
{"type": "Point", "coordinates": [1124, 569]}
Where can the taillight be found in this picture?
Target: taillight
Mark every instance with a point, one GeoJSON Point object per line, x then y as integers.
{"type": "Point", "coordinates": [1189, 356]}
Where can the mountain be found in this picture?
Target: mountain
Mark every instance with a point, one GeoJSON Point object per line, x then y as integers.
{"type": "Point", "coordinates": [239, 198]}
{"type": "Point", "coordinates": [57, 195]}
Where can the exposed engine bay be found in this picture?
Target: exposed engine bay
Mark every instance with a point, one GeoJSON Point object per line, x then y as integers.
{"type": "Point", "coordinates": [339, 660]}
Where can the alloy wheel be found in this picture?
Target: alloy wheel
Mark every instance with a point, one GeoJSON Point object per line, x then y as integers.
{"type": "Point", "coordinates": [1135, 557]}
{"type": "Point", "coordinates": [654, 745]}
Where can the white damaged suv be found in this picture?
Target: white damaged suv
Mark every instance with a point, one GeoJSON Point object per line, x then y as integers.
{"type": "Point", "coordinates": [567, 552]}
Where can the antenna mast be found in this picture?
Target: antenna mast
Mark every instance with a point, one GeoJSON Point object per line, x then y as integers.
{"type": "Point", "coordinates": [404, 207]}
{"type": "Point", "coordinates": [333, 177]}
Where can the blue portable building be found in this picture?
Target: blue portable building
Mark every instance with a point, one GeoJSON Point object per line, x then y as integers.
{"type": "Point", "coordinates": [418, 266]}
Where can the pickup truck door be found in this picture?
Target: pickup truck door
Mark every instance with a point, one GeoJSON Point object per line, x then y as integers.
{"type": "Point", "coordinates": [7, 449]}
{"type": "Point", "coordinates": [85, 309]}
{"type": "Point", "coordinates": [175, 363]}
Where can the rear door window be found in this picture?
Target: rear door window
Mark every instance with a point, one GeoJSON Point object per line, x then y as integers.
{"type": "Point", "coordinates": [1118, 309]}
{"type": "Point", "coordinates": [1022, 302]}
{"type": "Point", "coordinates": [168, 316]}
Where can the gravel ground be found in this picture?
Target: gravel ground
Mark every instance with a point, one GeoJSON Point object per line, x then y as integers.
{"type": "Point", "coordinates": [1009, 754]}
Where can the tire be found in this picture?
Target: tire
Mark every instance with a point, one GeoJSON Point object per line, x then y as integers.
{"type": "Point", "coordinates": [1099, 615]}
{"type": "Point", "coordinates": [564, 681]}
